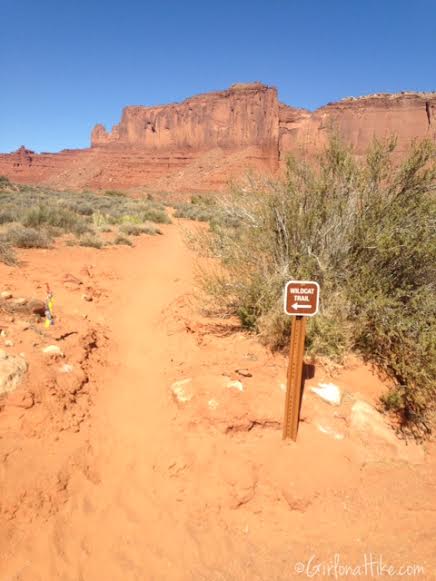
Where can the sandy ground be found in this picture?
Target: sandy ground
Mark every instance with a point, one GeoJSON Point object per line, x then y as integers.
{"type": "Point", "coordinates": [105, 475]}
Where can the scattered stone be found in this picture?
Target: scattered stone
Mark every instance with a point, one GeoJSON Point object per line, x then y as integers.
{"type": "Point", "coordinates": [330, 432]}
{"type": "Point", "coordinates": [329, 392]}
{"type": "Point", "coordinates": [244, 373]}
{"type": "Point", "coordinates": [12, 370]}
{"type": "Point", "coordinates": [380, 441]}
{"type": "Point", "coordinates": [37, 307]}
{"type": "Point", "coordinates": [235, 385]}
{"type": "Point", "coordinates": [212, 404]}
{"type": "Point", "coordinates": [9, 343]}
{"type": "Point", "coordinates": [182, 390]}
{"type": "Point", "coordinates": [87, 298]}
{"type": "Point", "coordinates": [66, 368]}
{"type": "Point", "coordinates": [6, 295]}
{"type": "Point", "coordinates": [53, 350]}
{"type": "Point", "coordinates": [20, 302]}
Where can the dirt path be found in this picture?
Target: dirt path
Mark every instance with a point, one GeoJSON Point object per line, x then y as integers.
{"type": "Point", "coordinates": [157, 498]}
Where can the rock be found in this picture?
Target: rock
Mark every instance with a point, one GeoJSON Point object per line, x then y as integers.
{"type": "Point", "coordinates": [189, 137]}
{"type": "Point", "coordinates": [53, 350]}
{"type": "Point", "coordinates": [23, 325]}
{"type": "Point", "coordinates": [329, 431]}
{"type": "Point", "coordinates": [87, 298]}
{"type": "Point", "coordinates": [20, 302]}
{"type": "Point", "coordinates": [9, 343]}
{"type": "Point", "coordinates": [3, 354]}
{"type": "Point", "coordinates": [66, 368]}
{"type": "Point", "coordinates": [212, 404]}
{"type": "Point", "coordinates": [235, 385]}
{"type": "Point", "coordinates": [329, 392]}
{"type": "Point", "coordinates": [6, 295]}
{"type": "Point", "coordinates": [380, 442]}
{"type": "Point", "coordinates": [244, 372]}
{"type": "Point", "coordinates": [12, 370]}
{"type": "Point", "coordinates": [37, 307]}
{"type": "Point", "coordinates": [182, 390]}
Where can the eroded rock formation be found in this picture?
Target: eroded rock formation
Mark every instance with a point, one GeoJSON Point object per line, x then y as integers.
{"type": "Point", "coordinates": [203, 142]}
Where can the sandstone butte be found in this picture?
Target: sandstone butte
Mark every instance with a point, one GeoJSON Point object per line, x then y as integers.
{"type": "Point", "coordinates": [205, 141]}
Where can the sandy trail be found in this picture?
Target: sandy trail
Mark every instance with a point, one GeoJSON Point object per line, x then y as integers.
{"type": "Point", "coordinates": [154, 498]}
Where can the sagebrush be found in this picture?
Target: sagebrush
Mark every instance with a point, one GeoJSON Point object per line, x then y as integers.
{"type": "Point", "coordinates": [365, 229]}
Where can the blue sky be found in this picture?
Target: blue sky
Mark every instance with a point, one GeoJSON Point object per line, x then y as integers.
{"type": "Point", "coordinates": [66, 65]}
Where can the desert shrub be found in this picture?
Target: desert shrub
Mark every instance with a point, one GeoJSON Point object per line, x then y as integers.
{"type": "Point", "coordinates": [155, 214]}
{"type": "Point", "coordinates": [55, 215]}
{"type": "Point", "coordinates": [123, 240]}
{"type": "Point", "coordinates": [7, 216]}
{"type": "Point", "coordinates": [136, 230]}
{"type": "Point", "coordinates": [195, 212]}
{"type": "Point", "coordinates": [7, 254]}
{"type": "Point", "coordinates": [366, 231]}
{"type": "Point", "coordinates": [115, 193]}
{"type": "Point", "coordinates": [104, 228]}
{"type": "Point", "coordinates": [4, 182]}
{"type": "Point", "coordinates": [91, 241]}
{"type": "Point", "coordinates": [23, 237]}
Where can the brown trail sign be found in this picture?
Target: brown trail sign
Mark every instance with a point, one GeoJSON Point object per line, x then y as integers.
{"type": "Point", "coordinates": [301, 300]}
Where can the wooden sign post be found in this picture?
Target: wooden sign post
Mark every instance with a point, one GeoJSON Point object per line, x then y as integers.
{"type": "Point", "coordinates": [301, 301]}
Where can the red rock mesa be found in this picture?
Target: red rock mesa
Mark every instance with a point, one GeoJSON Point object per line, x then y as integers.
{"type": "Point", "coordinates": [200, 144]}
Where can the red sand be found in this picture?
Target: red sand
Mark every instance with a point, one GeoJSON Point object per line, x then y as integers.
{"type": "Point", "coordinates": [111, 479]}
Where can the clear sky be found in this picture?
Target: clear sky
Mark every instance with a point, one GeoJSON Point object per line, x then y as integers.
{"type": "Point", "coordinates": [68, 64]}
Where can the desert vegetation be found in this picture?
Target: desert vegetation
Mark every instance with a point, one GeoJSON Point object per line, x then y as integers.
{"type": "Point", "coordinates": [32, 217]}
{"type": "Point", "coordinates": [363, 228]}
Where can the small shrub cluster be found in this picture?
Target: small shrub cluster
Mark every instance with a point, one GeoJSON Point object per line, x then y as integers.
{"type": "Point", "coordinates": [123, 240]}
{"type": "Point", "coordinates": [366, 231]}
{"type": "Point", "coordinates": [39, 215]}
{"type": "Point", "coordinates": [24, 237]}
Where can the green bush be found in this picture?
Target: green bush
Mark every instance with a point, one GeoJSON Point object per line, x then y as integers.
{"type": "Point", "coordinates": [23, 237]}
{"type": "Point", "coordinates": [132, 229]}
{"type": "Point", "coordinates": [7, 254]}
{"type": "Point", "coordinates": [155, 214]}
{"type": "Point", "coordinates": [91, 241]}
{"type": "Point", "coordinates": [57, 216]}
{"type": "Point", "coordinates": [123, 240]}
{"type": "Point", "coordinates": [366, 231]}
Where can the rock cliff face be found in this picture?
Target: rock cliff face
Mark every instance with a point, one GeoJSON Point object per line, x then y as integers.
{"type": "Point", "coordinates": [243, 116]}
{"type": "Point", "coordinates": [203, 142]}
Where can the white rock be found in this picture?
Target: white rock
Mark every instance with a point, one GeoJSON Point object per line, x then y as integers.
{"type": "Point", "coordinates": [235, 385]}
{"type": "Point", "coordinates": [3, 354]}
{"type": "Point", "coordinates": [379, 440]}
{"type": "Point", "coordinates": [330, 432]}
{"type": "Point", "coordinates": [329, 392]}
{"type": "Point", "coordinates": [66, 368]}
{"type": "Point", "coordinates": [6, 295]}
{"type": "Point", "coordinates": [212, 404]}
{"type": "Point", "coordinates": [282, 386]}
{"type": "Point", "coordinates": [20, 302]}
{"type": "Point", "coordinates": [182, 391]}
{"type": "Point", "coordinates": [9, 343]}
{"type": "Point", "coordinates": [12, 370]}
{"type": "Point", "coordinates": [53, 350]}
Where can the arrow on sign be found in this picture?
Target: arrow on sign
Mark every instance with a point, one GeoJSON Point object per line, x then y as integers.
{"type": "Point", "coordinates": [297, 306]}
